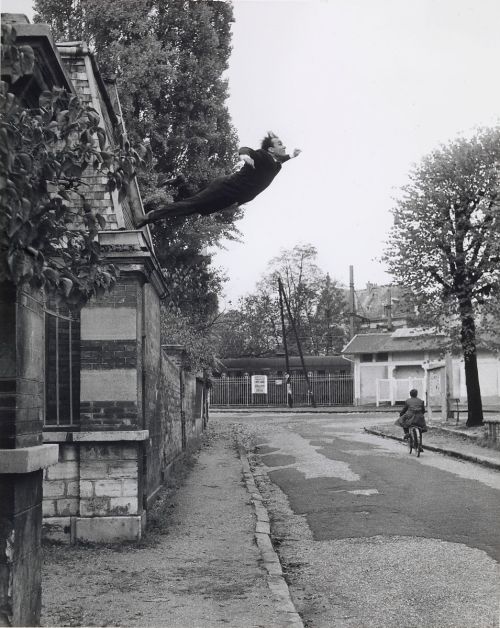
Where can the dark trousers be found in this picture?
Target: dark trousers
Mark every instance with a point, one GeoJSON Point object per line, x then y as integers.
{"type": "Point", "coordinates": [213, 198]}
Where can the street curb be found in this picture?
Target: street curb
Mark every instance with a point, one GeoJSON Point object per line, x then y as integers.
{"type": "Point", "coordinates": [446, 452]}
{"type": "Point", "coordinates": [275, 579]}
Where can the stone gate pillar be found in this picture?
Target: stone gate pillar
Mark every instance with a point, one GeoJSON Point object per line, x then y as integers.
{"type": "Point", "coordinates": [22, 455]}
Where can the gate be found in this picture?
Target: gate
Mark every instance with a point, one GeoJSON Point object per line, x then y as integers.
{"type": "Point", "coordinates": [328, 390]}
{"type": "Point", "coordinates": [394, 390]}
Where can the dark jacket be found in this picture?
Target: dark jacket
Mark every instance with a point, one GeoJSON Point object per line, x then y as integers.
{"type": "Point", "coordinates": [227, 191]}
{"type": "Point", "coordinates": [248, 182]}
{"type": "Point", "coordinates": [412, 413]}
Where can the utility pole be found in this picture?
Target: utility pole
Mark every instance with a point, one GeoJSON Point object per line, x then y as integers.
{"type": "Point", "coordinates": [352, 303]}
{"type": "Point", "coordinates": [288, 381]}
{"type": "Point", "coordinates": [299, 346]}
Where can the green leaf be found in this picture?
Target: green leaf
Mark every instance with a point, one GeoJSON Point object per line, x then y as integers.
{"type": "Point", "coordinates": [101, 136]}
{"type": "Point", "coordinates": [51, 274]}
{"type": "Point", "coordinates": [66, 285]}
{"type": "Point", "coordinates": [101, 220]}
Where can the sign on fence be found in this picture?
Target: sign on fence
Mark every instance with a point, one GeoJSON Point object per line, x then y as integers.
{"type": "Point", "coordinates": [259, 384]}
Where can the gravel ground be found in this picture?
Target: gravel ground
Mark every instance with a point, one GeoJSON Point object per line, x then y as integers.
{"type": "Point", "coordinates": [198, 564]}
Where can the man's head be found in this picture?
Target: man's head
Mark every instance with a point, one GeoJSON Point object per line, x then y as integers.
{"type": "Point", "coordinates": [413, 392]}
{"type": "Point", "coordinates": [273, 145]}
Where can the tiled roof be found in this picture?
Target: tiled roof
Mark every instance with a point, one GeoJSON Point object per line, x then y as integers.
{"type": "Point", "coordinates": [394, 342]}
{"type": "Point", "coordinates": [278, 362]}
{"type": "Point", "coordinates": [91, 90]}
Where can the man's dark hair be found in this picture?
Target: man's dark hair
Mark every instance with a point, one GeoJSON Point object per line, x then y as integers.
{"type": "Point", "coordinates": [267, 142]}
{"type": "Point", "coordinates": [413, 392]}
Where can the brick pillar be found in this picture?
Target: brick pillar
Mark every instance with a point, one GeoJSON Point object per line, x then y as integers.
{"type": "Point", "coordinates": [111, 438]}
{"type": "Point", "coordinates": [22, 455]}
{"type": "Point", "coordinates": [110, 351]}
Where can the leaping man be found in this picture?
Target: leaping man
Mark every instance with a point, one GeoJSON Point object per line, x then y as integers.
{"type": "Point", "coordinates": [258, 171]}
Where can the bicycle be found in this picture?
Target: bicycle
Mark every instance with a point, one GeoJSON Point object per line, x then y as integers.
{"type": "Point", "coordinates": [415, 440]}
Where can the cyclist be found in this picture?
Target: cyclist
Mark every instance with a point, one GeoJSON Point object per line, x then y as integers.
{"type": "Point", "coordinates": [412, 413]}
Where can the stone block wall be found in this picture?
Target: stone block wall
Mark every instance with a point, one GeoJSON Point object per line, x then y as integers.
{"type": "Point", "coordinates": [109, 480]}
{"type": "Point", "coordinates": [193, 404]}
{"type": "Point", "coordinates": [94, 492]}
{"type": "Point", "coordinates": [165, 426]}
{"type": "Point", "coordinates": [61, 486]}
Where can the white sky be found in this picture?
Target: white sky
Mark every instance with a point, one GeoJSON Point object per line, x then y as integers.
{"type": "Point", "coordinates": [365, 88]}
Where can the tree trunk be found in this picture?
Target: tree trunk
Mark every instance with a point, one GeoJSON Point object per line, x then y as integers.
{"type": "Point", "coordinates": [474, 403]}
{"type": "Point", "coordinates": [468, 340]}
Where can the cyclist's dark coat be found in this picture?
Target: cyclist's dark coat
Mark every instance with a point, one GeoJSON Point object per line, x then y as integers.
{"type": "Point", "coordinates": [412, 413]}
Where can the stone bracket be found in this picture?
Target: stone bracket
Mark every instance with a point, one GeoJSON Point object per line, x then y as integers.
{"type": "Point", "coordinates": [28, 459]}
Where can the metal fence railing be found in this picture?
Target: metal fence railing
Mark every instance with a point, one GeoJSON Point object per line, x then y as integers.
{"type": "Point", "coordinates": [328, 390]}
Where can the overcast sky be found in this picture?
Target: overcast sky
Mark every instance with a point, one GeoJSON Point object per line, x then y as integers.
{"type": "Point", "coordinates": [365, 88]}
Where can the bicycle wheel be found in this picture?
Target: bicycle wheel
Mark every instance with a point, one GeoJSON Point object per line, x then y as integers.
{"type": "Point", "coordinates": [415, 440]}
{"type": "Point", "coordinates": [410, 441]}
{"type": "Point", "coordinates": [418, 439]}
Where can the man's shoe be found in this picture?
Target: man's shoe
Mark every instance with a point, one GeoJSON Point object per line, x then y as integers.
{"type": "Point", "coordinates": [406, 436]}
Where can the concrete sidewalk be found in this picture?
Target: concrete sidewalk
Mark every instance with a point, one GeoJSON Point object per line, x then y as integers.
{"type": "Point", "coordinates": [207, 559]}
{"type": "Point", "coordinates": [448, 439]}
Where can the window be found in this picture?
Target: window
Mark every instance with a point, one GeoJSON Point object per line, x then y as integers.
{"type": "Point", "coordinates": [382, 357]}
{"type": "Point", "coordinates": [366, 357]}
{"type": "Point", "coordinates": [62, 367]}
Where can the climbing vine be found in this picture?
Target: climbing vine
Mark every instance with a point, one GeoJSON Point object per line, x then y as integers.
{"type": "Point", "coordinates": [48, 228]}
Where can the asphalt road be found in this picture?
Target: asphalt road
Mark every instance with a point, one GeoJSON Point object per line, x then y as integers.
{"type": "Point", "coordinates": [370, 536]}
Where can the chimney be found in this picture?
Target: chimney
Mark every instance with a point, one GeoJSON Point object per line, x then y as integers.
{"type": "Point", "coordinates": [352, 303]}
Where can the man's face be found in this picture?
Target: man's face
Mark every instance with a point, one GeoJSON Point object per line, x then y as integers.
{"type": "Point", "coordinates": [278, 149]}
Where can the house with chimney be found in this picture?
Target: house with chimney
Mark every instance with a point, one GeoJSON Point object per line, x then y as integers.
{"type": "Point", "coordinates": [390, 357]}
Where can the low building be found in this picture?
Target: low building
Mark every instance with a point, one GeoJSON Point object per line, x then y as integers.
{"type": "Point", "coordinates": [275, 365]}
{"type": "Point", "coordinates": [388, 364]}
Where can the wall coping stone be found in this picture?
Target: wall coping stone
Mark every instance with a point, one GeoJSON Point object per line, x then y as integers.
{"type": "Point", "coordinates": [28, 459]}
{"type": "Point", "coordinates": [95, 437]}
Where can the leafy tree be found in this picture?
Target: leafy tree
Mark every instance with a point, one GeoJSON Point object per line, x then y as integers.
{"type": "Point", "coordinates": [316, 302]}
{"type": "Point", "coordinates": [445, 242]}
{"type": "Point", "coordinates": [47, 228]}
{"type": "Point", "coordinates": [168, 58]}
{"type": "Point", "coordinates": [330, 322]}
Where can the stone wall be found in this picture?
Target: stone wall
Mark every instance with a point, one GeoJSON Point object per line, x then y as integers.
{"type": "Point", "coordinates": [22, 456]}
{"type": "Point", "coordinates": [140, 411]}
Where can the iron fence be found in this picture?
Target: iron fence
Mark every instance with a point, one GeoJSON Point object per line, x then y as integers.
{"type": "Point", "coordinates": [328, 390]}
